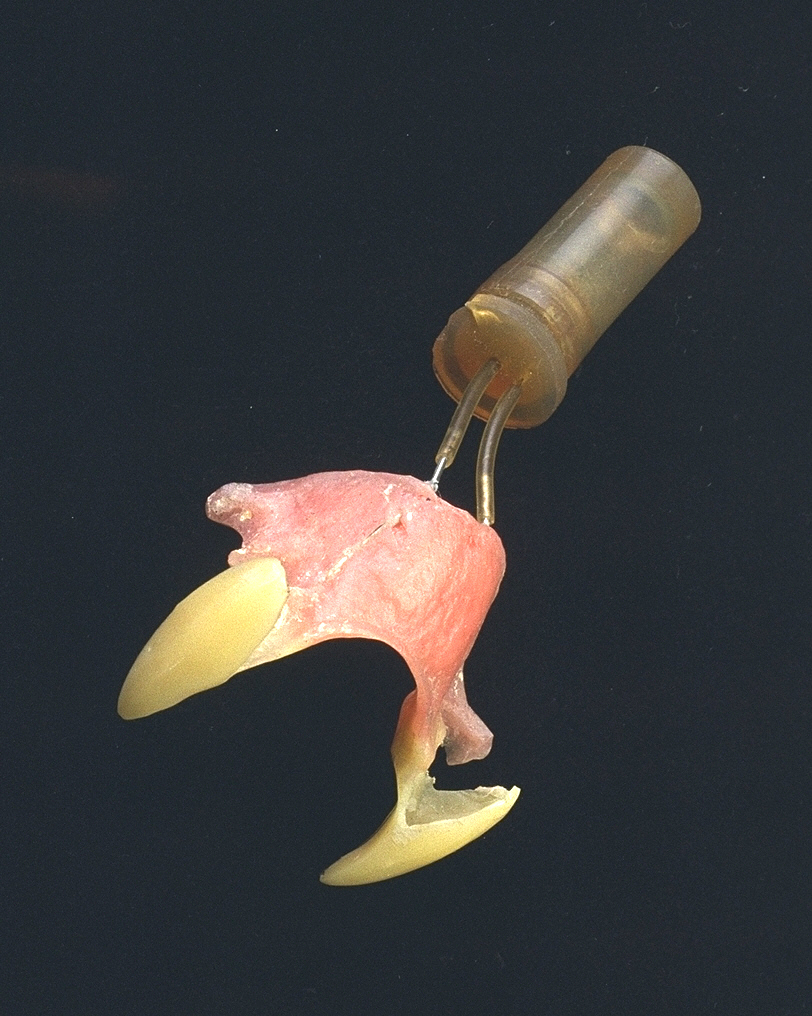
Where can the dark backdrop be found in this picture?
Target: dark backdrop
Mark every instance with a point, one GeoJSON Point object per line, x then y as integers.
{"type": "Point", "coordinates": [230, 234]}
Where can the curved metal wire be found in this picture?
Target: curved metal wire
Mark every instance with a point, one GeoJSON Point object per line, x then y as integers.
{"type": "Point", "coordinates": [486, 459]}
{"type": "Point", "coordinates": [450, 444]}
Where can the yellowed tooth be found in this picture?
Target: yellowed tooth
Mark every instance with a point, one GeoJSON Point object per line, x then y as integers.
{"type": "Point", "coordinates": [206, 638]}
{"type": "Point", "coordinates": [424, 826]}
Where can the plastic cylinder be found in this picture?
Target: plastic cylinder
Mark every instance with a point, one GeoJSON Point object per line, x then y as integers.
{"type": "Point", "coordinates": [541, 313]}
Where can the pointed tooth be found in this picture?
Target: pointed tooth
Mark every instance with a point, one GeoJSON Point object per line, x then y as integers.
{"type": "Point", "coordinates": [424, 826]}
{"type": "Point", "coordinates": [206, 638]}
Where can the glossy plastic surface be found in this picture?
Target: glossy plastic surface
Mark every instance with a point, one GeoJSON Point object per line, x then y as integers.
{"type": "Point", "coordinates": [542, 312]}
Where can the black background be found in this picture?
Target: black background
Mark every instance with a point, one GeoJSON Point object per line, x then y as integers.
{"type": "Point", "coordinates": [230, 234]}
